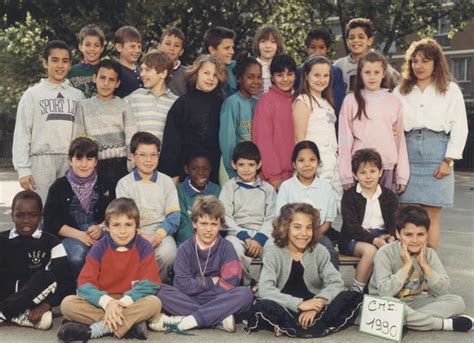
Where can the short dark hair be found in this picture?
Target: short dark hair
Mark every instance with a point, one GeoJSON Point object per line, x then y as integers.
{"type": "Point", "coordinates": [27, 195]}
{"type": "Point", "coordinates": [305, 145]}
{"type": "Point", "coordinates": [109, 63]}
{"type": "Point", "coordinates": [364, 23]}
{"type": "Point", "coordinates": [173, 31]}
{"type": "Point", "coordinates": [56, 44]}
{"type": "Point", "coordinates": [281, 62]}
{"type": "Point", "coordinates": [413, 214]}
{"type": "Point", "coordinates": [159, 61]}
{"type": "Point", "coordinates": [144, 138]}
{"type": "Point", "coordinates": [214, 36]}
{"type": "Point", "coordinates": [92, 30]}
{"type": "Point", "coordinates": [196, 154]}
{"type": "Point", "coordinates": [364, 156]}
{"type": "Point", "coordinates": [127, 34]}
{"type": "Point", "coordinates": [246, 150]}
{"type": "Point", "coordinates": [122, 206]}
{"type": "Point", "coordinates": [83, 146]}
{"type": "Point", "coordinates": [318, 33]}
{"type": "Point", "coordinates": [244, 60]}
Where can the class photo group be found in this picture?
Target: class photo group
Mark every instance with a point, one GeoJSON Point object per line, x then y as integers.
{"type": "Point", "coordinates": [151, 188]}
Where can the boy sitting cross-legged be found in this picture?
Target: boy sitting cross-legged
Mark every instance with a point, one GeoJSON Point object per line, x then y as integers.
{"type": "Point", "coordinates": [249, 205]}
{"type": "Point", "coordinates": [117, 286]}
{"type": "Point", "coordinates": [207, 275]}
{"type": "Point", "coordinates": [156, 197]}
{"type": "Point", "coordinates": [410, 271]}
{"type": "Point", "coordinates": [196, 184]}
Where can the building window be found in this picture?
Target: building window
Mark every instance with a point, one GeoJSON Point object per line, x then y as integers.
{"type": "Point", "coordinates": [444, 26]}
{"type": "Point", "coordinates": [461, 68]}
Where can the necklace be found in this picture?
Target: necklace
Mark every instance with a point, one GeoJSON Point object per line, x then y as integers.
{"type": "Point", "coordinates": [199, 262]}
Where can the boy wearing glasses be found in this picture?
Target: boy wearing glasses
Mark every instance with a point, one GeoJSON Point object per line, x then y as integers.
{"type": "Point", "coordinates": [156, 197]}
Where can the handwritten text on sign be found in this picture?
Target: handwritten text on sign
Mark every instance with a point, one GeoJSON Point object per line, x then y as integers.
{"type": "Point", "coordinates": [382, 318]}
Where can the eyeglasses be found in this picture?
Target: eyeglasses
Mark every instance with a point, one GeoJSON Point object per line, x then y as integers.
{"type": "Point", "coordinates": [144, 156]}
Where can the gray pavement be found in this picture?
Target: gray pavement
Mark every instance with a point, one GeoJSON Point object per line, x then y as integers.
{"type": "Point", "coordinates": [456, 251]}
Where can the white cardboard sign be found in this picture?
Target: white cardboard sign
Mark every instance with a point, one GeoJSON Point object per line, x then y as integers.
{"type": "Point", "coordinates": [382, 318]}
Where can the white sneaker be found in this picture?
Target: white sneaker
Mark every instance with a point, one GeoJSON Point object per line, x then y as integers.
{"type": "Point", "coordinates": [227, 325]}
{"type": "Point", "coordinates": [44, 324]}
{"type": "Point", "coordinates": [165, 323]}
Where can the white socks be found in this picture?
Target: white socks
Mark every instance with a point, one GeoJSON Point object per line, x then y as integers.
{"type": "Point", "coordinates": [187, 323]}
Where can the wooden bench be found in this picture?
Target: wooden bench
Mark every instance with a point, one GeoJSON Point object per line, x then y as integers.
{"type": "Point", "coordinates": [343, 261]}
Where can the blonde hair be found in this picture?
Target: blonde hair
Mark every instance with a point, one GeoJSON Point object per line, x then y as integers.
{"type": "Point", "coordinates": [208, 205]}
{"type": "Point", "coordinates": [192, 72]}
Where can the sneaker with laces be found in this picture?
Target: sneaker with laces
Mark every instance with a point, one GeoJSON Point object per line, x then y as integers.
{"type": "Point", "coordinates": [227, 325]}
{"type": "Point", "coordinates": [74, 331]}
{"type": "Point", "coordinates": [44, 324]}
{"type": "Point", "coordinates": [165, 323]}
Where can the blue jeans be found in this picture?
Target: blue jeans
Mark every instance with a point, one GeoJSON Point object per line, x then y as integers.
{"type": "Point", "coordinates": [326, 242]}
{"type": "Point", "coordinates": [76, 254]}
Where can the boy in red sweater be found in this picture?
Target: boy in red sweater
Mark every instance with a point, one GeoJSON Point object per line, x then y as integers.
{"type": "Point", "coordinates": [117, 286]}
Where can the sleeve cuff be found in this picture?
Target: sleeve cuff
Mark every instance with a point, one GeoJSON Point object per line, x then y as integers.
{"type": "Point", "coordinates": [162, 233]}
{"type": "Point", "coordinates": [22, 172]}
{"type": "Point", "coordinates": [243, 235]}
{"type": "Point", "coordinates": [126, 300]}
{"type": "Point", "coordinates": [260, 238]}
{"type": "Point", "coordinates": [345, 181]}
{"type": "Point", "coordinates": [104, 301]}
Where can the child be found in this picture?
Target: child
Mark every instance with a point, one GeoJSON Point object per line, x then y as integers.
{"type": "Point", "coordinates": [207, 276]}
{"type": "Point", "coordinates": [196, 184]}
{"type": "Point", "coordinates": [237, 110]}
{"type": "Point", "coordinates": [249, 206]}
{"type": "Point", "coordinates": [150, 105]}
{"type": "Point", "coordinates": [408, 271]}
{"type": "Point", "coordinates": [193, 120]}
{"type": "Point", "coordinates": [318, 43]}
{"type": "Point", "coordinates": [299, 288]}
{"type": "Point", "coordinates": [156, 197]}
{"type": "Point", "coordinates": [33, 267]}
{"type": "Point", "coordinates": [117, 287]}
{"type": "Point", "coordinates": [91, 45]}
{"type": "Point", "coordinates": [76, 203]}
{"type": "Point", "coordinates": [272, 128]}
{"type": "Point", "coordinates": [306, 186]}
{"type": "Point", "coordinates": [314, 118]}
{"type": "Point", "coordinates": [359, 38]}
{"type": "Point", "coordinates": [371, 117]}
{"type": "Point", "coordinates": [110, 122]}
{"type": "Point", "coordinates": [368, 215]}
{"type": "Point", "coordinates": [128, 43]}
{"type": "Point", "coordinates": [219, 42]}
{"type": "Point", "coordinates": [44, 123]}
{"type": "Point", "coordinates": [172, 43]}
{"type": "Point", "coordinates": [267, 43]}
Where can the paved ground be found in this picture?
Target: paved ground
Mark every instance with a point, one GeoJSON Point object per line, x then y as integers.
{"type": "Point", "coordinates": [456, 252]}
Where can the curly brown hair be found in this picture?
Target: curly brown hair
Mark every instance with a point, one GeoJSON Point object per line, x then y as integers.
{"type": "Point", "coordinates": [431, 50]}
{"type": "Point", "coordinates": [281, 225]}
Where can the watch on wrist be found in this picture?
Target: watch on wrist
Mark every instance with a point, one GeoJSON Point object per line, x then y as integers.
{"type": "Point", "coordinates": [449, 161]}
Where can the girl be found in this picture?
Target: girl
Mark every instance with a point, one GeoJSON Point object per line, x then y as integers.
{"type": "Point", "coordinates": [237, 110]}
{"type": "Point", "coordinates": [267, 43]}
{"type": "Point", "coordinates": [298, 281]}
{"type": "Point", "coordinates": [76, 203]}
{"type": "Point", "coordinates": [371, 117]}
{"type": "Point", "coordinates": [193, 120]}
{"type": "Point", "coordinates": [436, 125]}
{"type": "Point", "coordinates": [314, 118]}
{"type": "Point", "coordinates": [306, 186]}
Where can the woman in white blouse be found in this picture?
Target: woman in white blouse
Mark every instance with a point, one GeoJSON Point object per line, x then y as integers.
{"type": "Point", "coordinates": [435, 121]}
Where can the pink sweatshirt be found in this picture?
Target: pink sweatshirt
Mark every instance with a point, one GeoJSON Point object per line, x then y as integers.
{"type": "Point", "coordinates": [383, 131]}
{"type": "Point", "coordinates": [272, 131]}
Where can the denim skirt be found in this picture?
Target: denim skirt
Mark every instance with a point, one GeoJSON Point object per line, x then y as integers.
{"type": "Point", "coordinates": [426, 150]}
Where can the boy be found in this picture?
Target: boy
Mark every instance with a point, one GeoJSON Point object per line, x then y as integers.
{"type": "Point", "coordinates": [117, 286]}
{"type": "Point", "coordinates": [272, 127]}
{"type": "Point", "coordinates": [44, 123]}
{"type": "Point", "coordinates": [359, 38]}
{"type": "Point", "coordinates": [156, 197]}
{"type": "Point", "coordinates": [150, 105]}
{"type": "Point", "coordinates": [128, 43]}
{"type": "Point", "coordinates": [196, 184]}
{"type": "Point", "coordinates": [409, 271]}
{"type": "Point", "coordinates": [219, 42]}
{"type": "Point", "coordinates": [368, 215]}
{"type": "Point", "coordinates": [91, 45]}
{"type": "Point", "coordinates": [249, 205]}
{"type": "Point", "coordinates": [109, 121]}
{"type": "Point", "coordinates": [34, 269]}
{"type": "Point", "coordinates": [207, 276]}
{"type": "Point", "coordinates": [318, 43]}
{"type": "Point", "coordinates": [172, 43]}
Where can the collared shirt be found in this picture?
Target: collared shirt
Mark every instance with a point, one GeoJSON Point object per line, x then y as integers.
{"type": "Point", "coordinates": [266, 76]}
{"type": "Point", "coordinates": [437, 112]}
{"type": "Point", "coordinates": [373, 213]}
{"type": "Point", "coordinates": [14, 233]}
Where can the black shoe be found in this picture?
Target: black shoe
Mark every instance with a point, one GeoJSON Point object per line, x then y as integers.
{"type": "Point", "coordinates": [73, 331]}
{"type": "Point", "coordinates": [137, 331]}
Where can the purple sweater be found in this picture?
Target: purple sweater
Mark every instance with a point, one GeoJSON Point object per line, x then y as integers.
{"type": "Point", "coordinates": [223, 262]}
